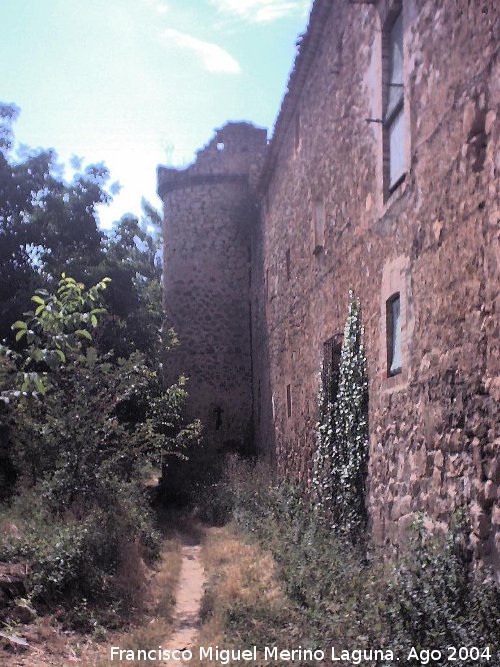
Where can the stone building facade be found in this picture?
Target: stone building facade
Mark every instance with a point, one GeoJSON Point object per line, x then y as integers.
{"type": "Point", "coordinates": [382, 176]}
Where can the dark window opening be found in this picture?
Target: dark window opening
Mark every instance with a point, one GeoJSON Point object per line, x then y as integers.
{"type": "Point", "coordinates": [288, 265]}
{"type": "Point", "coordinates": [218, 418]}
{"type": "Point", "coordinates": [288, 401]}
{"type": "Point", "coordinates": [393, 335]}
{"type": "Point", "coordinates": [332, 349]}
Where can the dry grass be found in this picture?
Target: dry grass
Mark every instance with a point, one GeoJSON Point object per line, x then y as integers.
{"type": "Point", "coordinates": [51, 647]}
{"type": "Point", "coordinates": [155, 624]}
{"type": "Point", "coordinates": [244, 603]}
{"type": "Point", "coordinates": [48, 645]}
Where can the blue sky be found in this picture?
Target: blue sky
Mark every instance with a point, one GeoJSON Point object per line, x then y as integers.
{"type": "Point", "coordinates": [135, 83]}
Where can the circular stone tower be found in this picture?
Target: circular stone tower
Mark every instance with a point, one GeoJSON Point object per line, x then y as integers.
{"type": "Point", "coordinates": [209, 209]}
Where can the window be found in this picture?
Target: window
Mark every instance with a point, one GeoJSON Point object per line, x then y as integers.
{"type": "Point", "coordinates": [393, 117]}
{"type": "Point", "coordinates": [288, 265]}
{"type": "Point", "coordinates": [331, 362]}
{"type": "Point", "coordinates": [393, 319]}
{"type": "Point", "coordinates": [288, 401]}
{"type": "Point", "coordinates": [319, 216]}
{"type": "Point", "coordinates": [396, 324]}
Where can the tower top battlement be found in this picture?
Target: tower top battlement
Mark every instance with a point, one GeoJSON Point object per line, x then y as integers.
{"type": "Point", "coordinates": [236, 151]}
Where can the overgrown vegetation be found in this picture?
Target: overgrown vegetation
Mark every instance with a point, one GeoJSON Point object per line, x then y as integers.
{"type": "Point", "coordinates": [82, 427]}
{"type": "Point", "coordinates": [436, 599]}
{"type": "Point", "coordinates": [244, 603]}
{"type": "Point", "coordinates": [154, 625]}
{"type": "Point", "coordinates": [154, 588]}
{"type": "Point", "coordinates": [83, 409]}
{"type": "Point", "coordinates": [338, 595]}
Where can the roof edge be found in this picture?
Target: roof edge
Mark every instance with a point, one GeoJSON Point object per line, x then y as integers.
{"type": "Point", "coordinates": [307, 48]}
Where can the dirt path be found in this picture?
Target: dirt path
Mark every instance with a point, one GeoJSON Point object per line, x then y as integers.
{"type": "Point", "coordinates": [172, 628]}
{"type": "Point", "coordinates": [185, 617]}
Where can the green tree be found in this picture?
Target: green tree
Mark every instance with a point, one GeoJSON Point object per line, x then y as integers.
{"type": "Point", "coordinates": [50, 226]}
{"type": "Point", "coordinates": [47, 225]}
{"type": "Point", "coordinates": [79, 414]}
{"type": "Point", "coordinates": [82, 426]}
{"type": "Point", "coordinates": [53, 332]}
{"type": "Point", "coordinates": [19, 188]}
{"type": "Point", "coordinates": [132, 260]}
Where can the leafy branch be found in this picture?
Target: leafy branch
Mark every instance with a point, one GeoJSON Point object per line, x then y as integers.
{"type": "Point", "coordinates": [55, 333]}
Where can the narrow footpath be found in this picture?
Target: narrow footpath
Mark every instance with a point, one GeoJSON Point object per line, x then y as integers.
{"type": "Point", "coordinates": [185, 617]}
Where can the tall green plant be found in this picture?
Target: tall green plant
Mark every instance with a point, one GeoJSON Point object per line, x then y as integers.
{"type": "Point", "coordinates": [79, 417]}
{"type": "Point", "coordinates": [340, 464]}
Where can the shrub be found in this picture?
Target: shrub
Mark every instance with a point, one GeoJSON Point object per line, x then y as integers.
{"type": "Point", "coordinates": [70, 559]}
{"type": "Point", "coordinates": [219, 500]}
{"type": "Point", "coordinates": [337, 589]}
{"type": "Point", "coordinates": [82, 425]}
{"type": "Point", "coordinates": [431, 598]}
{"type": "Point", "coordinates": [436, 600]}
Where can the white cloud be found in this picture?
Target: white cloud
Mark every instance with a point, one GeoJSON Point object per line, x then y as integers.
{"type": "Point", "coordinates": [213, 57]}
{"type": "Point", "coordinates": [261, 11]}
{"type": "Point", "coordinates": [157, 6]}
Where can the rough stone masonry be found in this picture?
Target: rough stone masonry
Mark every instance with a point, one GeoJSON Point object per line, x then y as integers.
{"type": "Point", "coordinates": [263, 243]}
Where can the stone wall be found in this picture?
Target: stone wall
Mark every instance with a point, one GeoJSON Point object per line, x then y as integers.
{"type": "Point", "coordinates": [254, 298]}
{"type": "Point", "coordinates": [434, 440]}
{"type": "Point", "coordinates": [209, 210]}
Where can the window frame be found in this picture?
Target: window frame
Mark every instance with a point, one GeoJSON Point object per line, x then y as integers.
{"type": "Point", "coordinates": [396, 279]}
{"type": "Point", "coordinates": [390, 337]}
{"type": "Point", "coordinates": [391, 115]}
